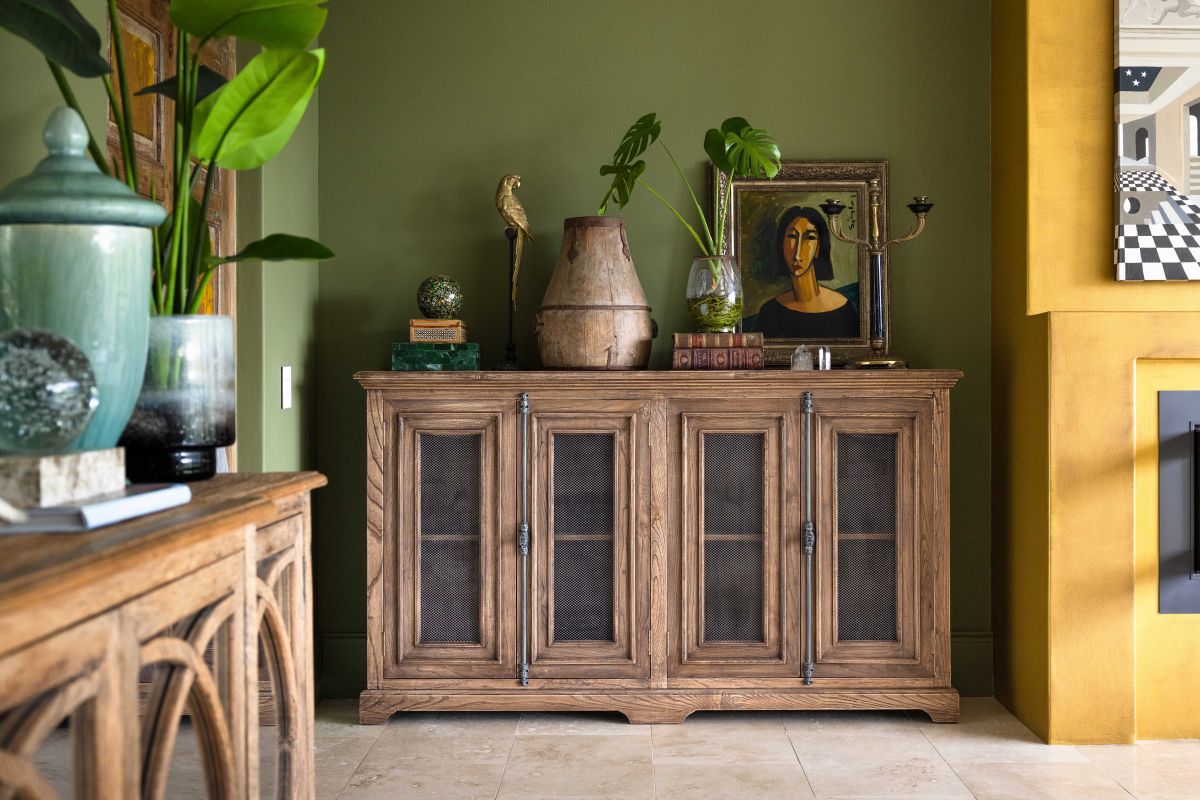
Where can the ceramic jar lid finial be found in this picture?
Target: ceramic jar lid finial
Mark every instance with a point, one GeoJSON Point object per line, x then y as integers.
{"type": "Point", "coordinates": [67, 188]}
{"type": "Point", "coordinates": [65, 134]}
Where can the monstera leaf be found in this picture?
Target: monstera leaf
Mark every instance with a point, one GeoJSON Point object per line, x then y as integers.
{"type": "Point", "coordinates": [287, 24]}
{"type": "Point", "coordinates": [624, 177]}
{"type": "Point", "coordinates": [248, 120]}
{"type": "Point", "coordinates": [741, 150]}
{"type": "Point", "coordinates": [56, 28]}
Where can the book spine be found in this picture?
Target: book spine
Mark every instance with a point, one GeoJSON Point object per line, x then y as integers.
{"type": "Point", "coordinates": [681, 358]}
{"type": "Point", "coordinates": [693, 340]}
{"type": "Point", "coordinates": [701, 358]}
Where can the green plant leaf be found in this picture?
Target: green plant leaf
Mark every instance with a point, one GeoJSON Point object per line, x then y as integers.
{"type": "Point", "coordinates": [749, 152]}
{"type": "Point", "coordinates": [261, 100]}
{"type": "Point", "coordinates": [288, 24]}
{"type": "Point", "coordinates": [624, 177]}
{"type": "Point", "coordinates": [279, 247]}
{"type": "Point", "coordinates": [714, 147]}
{"type": "Point", "coordinates": [207, 82]}
{"type": "Point", "coordinates": [640, 135]}
{"type": "Point", "coordinates": [56, 28]}
{"type": "Point", "coordinates": [259, 151]}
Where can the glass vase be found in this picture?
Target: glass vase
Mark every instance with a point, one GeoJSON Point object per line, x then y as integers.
{"type": "Point", "coordinates": [714, 294]}
{"type": "Point", "coordinates": [186, 407]}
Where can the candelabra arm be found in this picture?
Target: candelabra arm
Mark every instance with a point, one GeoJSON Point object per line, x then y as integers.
{"type": "Point", "coordinates": [914, 233]}
{"type": "Point", "coordinates": [835, 228]}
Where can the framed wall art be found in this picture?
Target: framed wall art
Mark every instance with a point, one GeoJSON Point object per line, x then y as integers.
{"type": "Point", "coordinates": [1157, 99]}
{"type": "Point", "coordinates": [800, 284]}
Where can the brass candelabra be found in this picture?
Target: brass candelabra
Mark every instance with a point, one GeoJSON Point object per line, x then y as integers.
{"type": "Point", "coordinates": [876, 246]}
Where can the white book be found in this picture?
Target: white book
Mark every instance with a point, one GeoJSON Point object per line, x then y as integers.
{"type": "Point", "coordinates": [106, 509]}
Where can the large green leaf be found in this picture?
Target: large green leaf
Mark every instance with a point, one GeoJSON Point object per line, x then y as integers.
{"type": "Point", "coordinates": [257, 152]}
{"type": "Point", "coordinates": [279, 247]}
{"type": "Point", "coordinates": [207, 82]}
{"type": "Point", "coordinates": [741, 150]}
{"type": "Point", "coordinates": [289, 24]}
{"type": "Point", "coordinates": [268, 95]}
{"type": "Point", "coordinates": [640, 135]}
{"type": "Point", "coordinates": [57, 29]}
{"type": "Point", "coordinates": [624, 177]}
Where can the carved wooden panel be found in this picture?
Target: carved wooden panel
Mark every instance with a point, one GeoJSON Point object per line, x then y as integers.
{"type": "Point", "coordinates": [589, 598]}
{"type": "Point", "coordinates": [449, 564]}
{"type": "Point", "coordinates": [869, 539]}
{"type": "Point", "coordinates": [739, 604]}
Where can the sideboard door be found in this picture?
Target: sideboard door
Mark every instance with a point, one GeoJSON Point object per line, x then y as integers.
{"type": "Point", "coordinates": [449, 546]}
{"type": "Point", "coordinates": [878, 526]}
{"type": "Point", "coordinates": [735, 550]}
{"type": "Point", "coordinates": [589, 578]}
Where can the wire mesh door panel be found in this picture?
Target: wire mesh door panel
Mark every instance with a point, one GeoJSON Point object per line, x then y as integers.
{"type": "Point", "coordinates": [869, 614]}
{"type": "Point", "coordinates": [449, 563]}
{"type": "Point", "coordinates": [740, 604]}
{"type": "Point", "coordinates": [590, 565]}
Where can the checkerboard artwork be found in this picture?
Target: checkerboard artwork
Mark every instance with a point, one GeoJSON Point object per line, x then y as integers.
{"type": "Point", "coordinates": [1158, 238]}
{"type": "Point", "coordinates": [1156, 86]}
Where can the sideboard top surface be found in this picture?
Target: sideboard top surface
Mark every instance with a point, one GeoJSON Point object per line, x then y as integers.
{"type": "Point", "coordinates": [656, 381]}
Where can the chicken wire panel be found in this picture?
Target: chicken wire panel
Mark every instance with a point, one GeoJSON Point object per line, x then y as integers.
{"type": "Point", "coordinates": [866, 482]}
{"type": "Point", "coordinates": [584, 506]}
{"type": "Point", "coordinates": [866, 592]}
{"type": "Point", "coordinates": [451, 568]}
{"type": "Point", "coordinates": [734, 477]}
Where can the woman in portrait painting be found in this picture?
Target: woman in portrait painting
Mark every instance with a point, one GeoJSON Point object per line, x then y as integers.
{"type": "Point", "coordinates": [807, 310]}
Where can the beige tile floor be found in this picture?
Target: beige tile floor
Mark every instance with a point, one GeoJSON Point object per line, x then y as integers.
{"type": "Point", "coordinates": [747, 756]}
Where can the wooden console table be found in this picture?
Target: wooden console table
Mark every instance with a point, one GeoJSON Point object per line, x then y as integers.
{"type": "Point", "coordinates": [658, 542]}
{"type": "Point", "coordinates": [85, 619]}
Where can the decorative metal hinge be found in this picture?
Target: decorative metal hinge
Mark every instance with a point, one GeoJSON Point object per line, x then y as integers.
{"type": "Point", "coordinates": [810, 537]}
{"type": "Point", "coordinates": [523, 403]}
{"type": "Point", "coordinates": [524, 674]}
{"type": "Point", "coordinates": [808, 673]}
{"type": "Point", "coordinates": [808, 403]}
{"type": "Point", "coordinates": [523, 538]}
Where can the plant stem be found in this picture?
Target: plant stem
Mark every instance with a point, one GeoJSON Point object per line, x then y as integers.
{"type": "Point", "coordinates": [180, 186]}
{"type": "Point", "coordinates": [665, 202]}
{"type": "Point", "coordinates": [68, 96]}
{"type": "Point", "coordinates": [723, 201]}
{"type": "Point", "coordinates": [712, 248]}
{"type": "Point", "coordinates": [125, 127]}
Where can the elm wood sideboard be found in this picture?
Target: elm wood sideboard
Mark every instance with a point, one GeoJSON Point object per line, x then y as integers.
{"type": "Point", "coordinates": [658, 543]}
{"type": "Point", "coordinates": [87, 618]}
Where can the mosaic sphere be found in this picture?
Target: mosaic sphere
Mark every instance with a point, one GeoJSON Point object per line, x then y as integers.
{"type": "Point", "coordinates": [47, 391]}
{"type": "Point", "coordinates": [439, 297]}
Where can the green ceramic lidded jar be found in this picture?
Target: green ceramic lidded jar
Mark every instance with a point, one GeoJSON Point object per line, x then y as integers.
{"type": "Point", "coordinates": [75, 258]}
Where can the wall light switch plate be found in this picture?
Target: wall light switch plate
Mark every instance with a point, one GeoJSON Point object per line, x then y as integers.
{"type": "Point", "coordinates": [285, 387]}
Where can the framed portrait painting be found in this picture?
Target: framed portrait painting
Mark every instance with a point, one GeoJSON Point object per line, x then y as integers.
{"type": "Point", "coordinates": [801, 285]}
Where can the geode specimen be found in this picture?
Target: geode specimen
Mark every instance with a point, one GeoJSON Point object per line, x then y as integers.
{"type": "Point", "coordinates": [439, 297]}
{"type": "Point", "coordinates": [47, 391]}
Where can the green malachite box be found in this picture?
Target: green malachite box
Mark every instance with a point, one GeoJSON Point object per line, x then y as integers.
{"type": "Point", "coordinates": [435, 356]}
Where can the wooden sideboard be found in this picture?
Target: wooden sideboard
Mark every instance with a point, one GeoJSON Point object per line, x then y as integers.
{"type": "Point", "coordinates": [658, 543]}
{"type": "Point", "coordinates": [88, 618]}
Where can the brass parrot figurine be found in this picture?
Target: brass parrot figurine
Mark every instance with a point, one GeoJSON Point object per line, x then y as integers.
{"type": "Point", "coordinates": [514, 215]}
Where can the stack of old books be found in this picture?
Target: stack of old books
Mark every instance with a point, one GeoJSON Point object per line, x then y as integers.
{"type": "Point", "coordinates": [718, 351]}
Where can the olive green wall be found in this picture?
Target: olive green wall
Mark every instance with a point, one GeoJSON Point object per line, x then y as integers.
{"type": "Point", "coordinates": [425, 105]}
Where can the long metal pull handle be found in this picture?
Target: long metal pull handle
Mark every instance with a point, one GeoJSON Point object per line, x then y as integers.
{"type": "Point", "coordinates": [523, 536]}
{"type": "Point", "coordinates": [810, 541]}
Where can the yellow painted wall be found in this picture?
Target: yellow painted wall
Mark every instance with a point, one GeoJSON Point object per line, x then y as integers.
{"type": "Point", "coordinates": [1167, 651]}
{"type": "Point", "coordinates": [1020, 391]}
{"type": "Point", "coordinates": [1068, 661]}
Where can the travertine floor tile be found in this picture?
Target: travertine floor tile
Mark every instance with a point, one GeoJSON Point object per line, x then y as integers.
{"type": "Point", "coordinates": [335, 761]}
{"type": "Point", "coordinates": [724, 738]}
{"type": "Point", "coordinates": [987, 734]}
{"type": "Point", "coordinates": [864, 764]}
{"type": "Point", "coordinates": [567, 723]}
{"type": "Point", "coordinates": [847, 721]}
{"type": "Point", "coordinates": [1039, 782]}
{"type": "Point", "coordinates": [579, 766]}
{"type": "Point", "coordinates": [339, 719]}
{"type": "Point", "coordinates": [703, 781]}
{"type": "Point", "coordinates": [1147, 769]}
{"type": "Point", "coordinates": [422, 779]}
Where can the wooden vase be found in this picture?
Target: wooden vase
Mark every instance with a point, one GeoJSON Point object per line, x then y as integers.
{"type": "Point", "coordinates": [594, 314]}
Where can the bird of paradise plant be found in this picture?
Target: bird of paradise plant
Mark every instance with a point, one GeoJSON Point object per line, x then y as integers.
{"type": "Point", "coordinates": [237, 124]}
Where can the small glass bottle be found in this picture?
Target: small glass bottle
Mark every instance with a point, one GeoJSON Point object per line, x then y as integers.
{"type": "Point", "coordinates": [802, 358]}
